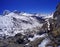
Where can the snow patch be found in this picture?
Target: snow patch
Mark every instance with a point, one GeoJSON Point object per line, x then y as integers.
{"type": "Point", "coordinates": [44, 42]}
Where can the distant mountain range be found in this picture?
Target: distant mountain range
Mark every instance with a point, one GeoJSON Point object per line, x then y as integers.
{"type": "Point", "coordinates": [15, 22]}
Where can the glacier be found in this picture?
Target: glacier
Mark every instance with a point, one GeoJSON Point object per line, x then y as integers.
{"type": "Point", "coordinates": [12, 23]}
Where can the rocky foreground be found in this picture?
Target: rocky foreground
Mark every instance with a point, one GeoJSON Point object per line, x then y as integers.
{"type": "Point", "coordinates": [20, 40]}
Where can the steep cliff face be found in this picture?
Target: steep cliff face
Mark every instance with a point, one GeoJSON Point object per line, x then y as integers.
{"type": "Point", "coordinates": [54, 30]}
{"type": "Point", "coordinates": [57, 12]}
{"type": "Point", "coordinates": [56, 17]}
{"type": "Point", "coordinates": [55, 26]}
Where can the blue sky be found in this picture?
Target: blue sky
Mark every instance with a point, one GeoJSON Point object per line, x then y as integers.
{"type": "Point", "coordinates": [32, 6]}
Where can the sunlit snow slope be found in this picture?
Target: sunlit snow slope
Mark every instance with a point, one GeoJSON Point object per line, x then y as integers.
{"type": "Point", "coordinates": [13, 23]}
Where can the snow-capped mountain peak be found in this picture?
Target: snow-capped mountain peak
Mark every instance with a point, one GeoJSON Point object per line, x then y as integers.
{"type": "Point", "coordinates": [14, 23]}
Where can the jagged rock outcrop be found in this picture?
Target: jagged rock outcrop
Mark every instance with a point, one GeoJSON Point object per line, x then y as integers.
{"type": "Point", "coordinates": [54, 33]}
{"type": "Point", "coordinates": [6, 12]}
